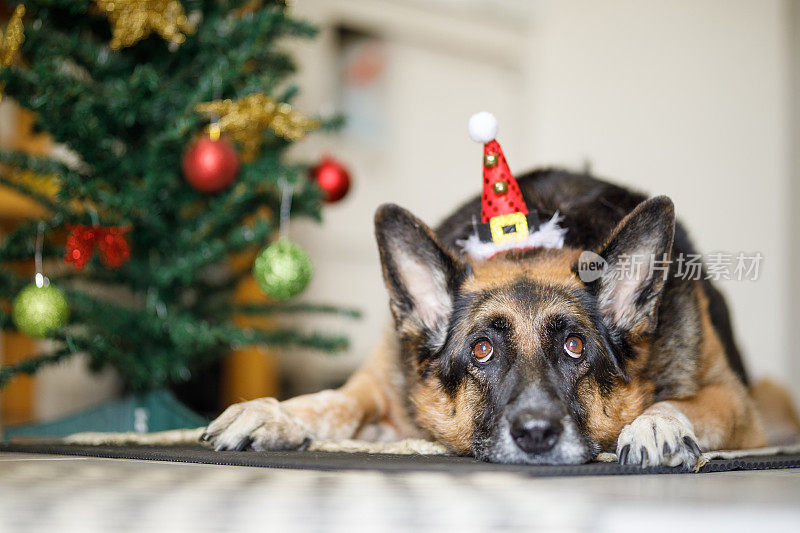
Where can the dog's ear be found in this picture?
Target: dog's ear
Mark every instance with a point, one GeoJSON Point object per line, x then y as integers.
{"type": "Point", "coordinates": [637, 254]}
{"type": "Point", "coordinates": [420, 274]}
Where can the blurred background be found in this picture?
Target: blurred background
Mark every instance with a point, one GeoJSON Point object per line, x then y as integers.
{"type": "Point", "coordinates": [699, 100]}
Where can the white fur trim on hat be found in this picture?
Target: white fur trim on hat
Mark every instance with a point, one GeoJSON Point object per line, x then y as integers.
{"type": "Point", "coordinates": [482, 127]}
{"type": "Point", "coordinates": [549, 235]}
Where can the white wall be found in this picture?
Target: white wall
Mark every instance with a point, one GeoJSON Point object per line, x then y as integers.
{"type": "Point", "coordinates": [685, 98]}
{"type": "Point", "coordinates": [794, 195]}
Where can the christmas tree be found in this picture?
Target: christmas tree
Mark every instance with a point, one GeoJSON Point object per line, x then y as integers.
{"type": "Point", "coordinates": [173, 119]}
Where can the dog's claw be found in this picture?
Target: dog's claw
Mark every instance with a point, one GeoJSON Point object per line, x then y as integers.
{"type": "Point", "coordinates": [205, 436]}
{"type": "Point", "coordinates": [623, 454]}
{"type": "Point", "coordinates": [243, 444]}
{"type": "Point", "coordinates": [691, 443]}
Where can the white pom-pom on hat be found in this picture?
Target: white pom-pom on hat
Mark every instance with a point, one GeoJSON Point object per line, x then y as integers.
{"type": "Point", "coordinates": [482, 127]}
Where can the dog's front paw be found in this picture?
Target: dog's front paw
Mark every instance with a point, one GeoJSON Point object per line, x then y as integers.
{"type": "Point", "coordinates": [663, 436]}
{"type": "Point", "coordinates": [260, 425]}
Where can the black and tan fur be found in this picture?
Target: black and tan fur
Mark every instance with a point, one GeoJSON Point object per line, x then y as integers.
{"type": "Point", "coordinates": [660, 377]}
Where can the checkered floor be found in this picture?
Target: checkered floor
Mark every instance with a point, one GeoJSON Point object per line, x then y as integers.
{"type": "Point", "coordinates": [54, 493]}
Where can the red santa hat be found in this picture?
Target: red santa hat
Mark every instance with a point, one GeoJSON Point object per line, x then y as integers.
{"type": "Point", "coordinates": [506, 222]}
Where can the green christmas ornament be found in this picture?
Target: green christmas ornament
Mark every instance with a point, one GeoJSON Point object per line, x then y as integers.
{"type": "Point", "coordinates": [282, 269]}
{"type": "Point", "coordinates": [38, 311]}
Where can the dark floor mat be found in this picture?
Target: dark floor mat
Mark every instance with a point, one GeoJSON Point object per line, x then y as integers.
{"type": "Point", "coordinates": [381, 462]}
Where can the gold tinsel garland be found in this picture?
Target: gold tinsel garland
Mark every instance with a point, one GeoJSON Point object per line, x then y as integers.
{"type": "Point", "coordinates": [244, 120]}
{"type": "Point", "coordinates": [133, 20]}
{"type": "Point", "coordinates": [45, 184]}
{"type": "Point", "coordinates": [11, 40]}
{"type": "Point", "coordinates": [48, 186]}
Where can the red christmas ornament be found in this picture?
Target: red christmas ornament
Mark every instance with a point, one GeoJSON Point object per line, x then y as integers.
{"type": "Point", "coordinates": [210, 165]}
{"type": "Point", "coordinates": [111, 241]}
{"type": "Point", "coordinates": [332, 177]}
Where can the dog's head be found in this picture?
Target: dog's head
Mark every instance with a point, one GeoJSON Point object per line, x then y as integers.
{"type": "Point", "coordinates": [516, 359]}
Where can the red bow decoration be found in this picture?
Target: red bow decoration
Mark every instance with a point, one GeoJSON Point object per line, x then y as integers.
{"type": "Point", "coordinates": [114, 248]}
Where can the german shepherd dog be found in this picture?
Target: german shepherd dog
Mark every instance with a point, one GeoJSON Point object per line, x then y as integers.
{"type": "Point", "coordinates": [515, 359]}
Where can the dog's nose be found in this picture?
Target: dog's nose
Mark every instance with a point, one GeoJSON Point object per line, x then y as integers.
{"type": "Point", "coordinates": [534, 432]}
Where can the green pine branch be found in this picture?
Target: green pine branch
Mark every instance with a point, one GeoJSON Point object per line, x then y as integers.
{"type": "Point", "coordinates": [292, 308]}
{"type": "Point", "coordinates": [32, 365]}
{"type": "Point", "coordinates": [5, 320]}
{"type": "Point", "coordinates": [289, 338]}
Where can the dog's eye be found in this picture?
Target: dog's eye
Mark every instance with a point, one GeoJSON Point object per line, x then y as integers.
{"type": "Point", "coordinates": [482, 351]}
{"type": "Point", "coordinates": [574, 347]}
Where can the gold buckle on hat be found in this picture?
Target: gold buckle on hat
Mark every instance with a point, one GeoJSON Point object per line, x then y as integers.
{"type": "Point", "coordinates": [511, 227]}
